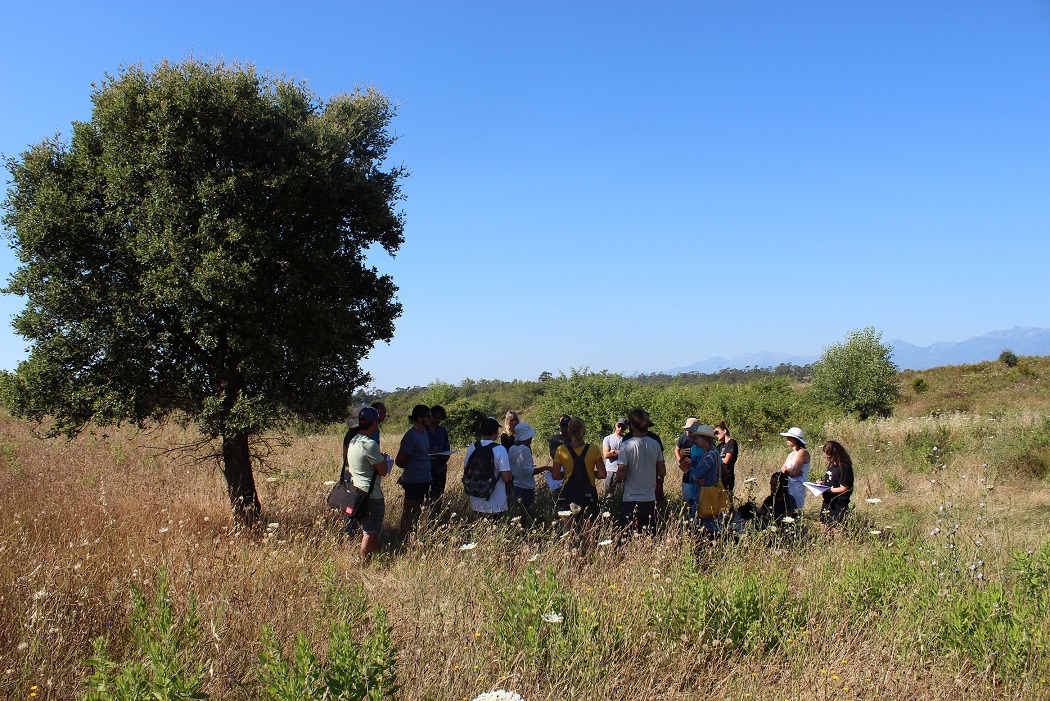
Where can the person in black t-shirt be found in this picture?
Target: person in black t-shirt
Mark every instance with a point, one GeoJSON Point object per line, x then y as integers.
{"type": "Point", "coordinates": [561, 437]}
{"type": "Point", "coordinates": [840, 478]}
{"type": "Point", "coordinates": [729, 450]}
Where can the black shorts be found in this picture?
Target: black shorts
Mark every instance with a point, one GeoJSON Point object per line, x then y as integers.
{"type": "Point", "coordinates": [638, 515]}
{"type": "Point", "coordinates": [417, 491]}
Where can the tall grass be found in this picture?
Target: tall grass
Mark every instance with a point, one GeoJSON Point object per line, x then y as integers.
{"type": "Point", "coordinates": [937, 592]}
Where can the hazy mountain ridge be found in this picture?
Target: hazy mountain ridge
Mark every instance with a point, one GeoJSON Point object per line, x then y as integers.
{"type": "Point", "coordinates": [1022, 340]}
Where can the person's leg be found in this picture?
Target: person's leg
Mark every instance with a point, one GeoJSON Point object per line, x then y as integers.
{"type": "Point", "coordinates": [646, 516]}
{"type": "Point", "coordinates": [372, 527]}
{"type": "Point", "coordinates": [415, 493]}
{"type": "Point", "coordinates": [625, 520]}
{"type": "Point", "coordinates": [437, 484]}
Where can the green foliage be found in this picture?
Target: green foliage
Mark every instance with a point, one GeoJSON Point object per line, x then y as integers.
{"type": "Point", "coordinates": [161, 664]}
{"type": "Point", "coordinates": [520, 629]}
{"type": "Point", "coordinates": [597, 398]}
{"type": "Point", "coordinates": [919, 385]}
{"type": "Point", "coordinates": [857, 375]}
{"type": "Point", "coordinates": [464, 420]}
{"type": "Point", "coordinates": [1028, 453]}
{"type": "Point", "coordinates": [797, 373]}
{"type": "Point", "coordinates": [352, 671]}
{"type": "Point", "coordinates": [439, 393]}
{"type": "Point", "coordinates": [198, 249]}
{"type": "Point", "coordinates": [984, 624]}
{"type": "Point", "coordinates": [1008, 358]}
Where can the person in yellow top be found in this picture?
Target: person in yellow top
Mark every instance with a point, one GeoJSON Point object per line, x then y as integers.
{"type": "Point", "coordinates": [578, 463]}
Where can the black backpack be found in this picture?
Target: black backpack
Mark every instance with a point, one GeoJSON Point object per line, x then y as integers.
{"type": "Point", "coordinates": [479, 472]}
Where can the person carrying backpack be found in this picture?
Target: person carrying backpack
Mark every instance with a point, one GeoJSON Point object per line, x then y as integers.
{"type": "Point", "coordinates": [486, 470]}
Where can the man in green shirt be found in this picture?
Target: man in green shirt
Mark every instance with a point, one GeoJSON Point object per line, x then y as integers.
{"type": "Point", "coordinates": [366, 464]}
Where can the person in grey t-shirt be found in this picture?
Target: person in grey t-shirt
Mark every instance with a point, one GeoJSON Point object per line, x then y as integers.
{"type": "Point", "coordinates": [639, 465]}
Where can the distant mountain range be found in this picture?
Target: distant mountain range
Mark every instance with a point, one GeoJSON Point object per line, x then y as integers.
{"type": "Point", "coordinates": [1022, 340]}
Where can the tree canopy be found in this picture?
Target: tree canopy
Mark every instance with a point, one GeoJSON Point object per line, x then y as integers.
{"type": "Point", "coordinates": [857, 375]}
{"type": "Point", "coordinates": [198, 249]}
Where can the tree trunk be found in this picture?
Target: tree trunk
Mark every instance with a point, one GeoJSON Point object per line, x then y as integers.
{"type": "Point", "coordinates": [240, 482]}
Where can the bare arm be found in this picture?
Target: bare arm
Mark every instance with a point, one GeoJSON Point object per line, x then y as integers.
{"type": "Point", "coordinates": [557, 471]}
{"type": "Point", "coordinates": [599, 468]}
{"type": "Point", "coordinates": [661, 471]}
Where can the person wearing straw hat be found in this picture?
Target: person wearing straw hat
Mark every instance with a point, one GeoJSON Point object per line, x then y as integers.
{"type": "Point", "coordinates": [684, 451]}
{"type": "Point", "coordinates": [796, 465]}
{"type": "Point", "coordinates": [704, 471]}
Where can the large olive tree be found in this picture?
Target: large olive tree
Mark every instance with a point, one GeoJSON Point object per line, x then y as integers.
{"type": "Point", "coordinates": [197, 251]}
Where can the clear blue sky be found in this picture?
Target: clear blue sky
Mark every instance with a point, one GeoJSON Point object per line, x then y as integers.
{"type": "Point", "coordinates": [635, 188]}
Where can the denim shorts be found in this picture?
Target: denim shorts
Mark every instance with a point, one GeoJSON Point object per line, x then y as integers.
{"type": "Point", "coordinates": [372, 522]}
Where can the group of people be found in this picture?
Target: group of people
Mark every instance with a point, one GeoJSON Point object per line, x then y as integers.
{"type": "Point", "coordinates": [629, 465]}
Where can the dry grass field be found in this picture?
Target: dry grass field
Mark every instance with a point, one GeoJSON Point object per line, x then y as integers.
{"type": "Point", "coordinates": [939, 591]}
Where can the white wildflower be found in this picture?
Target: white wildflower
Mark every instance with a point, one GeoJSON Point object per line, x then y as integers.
{"type": "Point", "coordinates": [875, 532]}
{"type": "Point", "coordinates": [874, 500]}
{"type": "Point", "coordinates": [553, 617]}
{"type": "Point", "coordinates": [330, 483]}
{"type": "Point", "coordinates": [605, 542]}
{"type": "Point", "coordinates": [498, 695]}
{"type": "Point", "coordinates": [468, 546]}
{"type": "Point", "coordinates": [565, 514]}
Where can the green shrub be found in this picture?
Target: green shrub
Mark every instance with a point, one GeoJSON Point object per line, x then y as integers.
{"type": "Point", "coordinates": [464, 420]}
{"type": "Point", "coordinates": [983, 624]}
{"type": "Point", "coordinates": [894, 483]}
{"type": "Point", "coordinates": [1008, 358]}
{"type": "Point", "coordinates": [919, 385]}
{"type": "Point", "coordinates": [161, 664]}
{"type": "Point", "coordinates": [1028, 453]}
{"type": "Point", "coordinates": [857, 375]}
{"type": "Point", "coordinates": [352, 671]}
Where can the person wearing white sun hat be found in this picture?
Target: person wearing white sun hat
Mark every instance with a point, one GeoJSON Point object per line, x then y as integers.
{"type": "Point", "coordinates": [796, 466]}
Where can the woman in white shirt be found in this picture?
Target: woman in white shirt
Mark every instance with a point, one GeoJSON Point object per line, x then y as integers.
{"type": "Point", "coordinates": [796, 466]}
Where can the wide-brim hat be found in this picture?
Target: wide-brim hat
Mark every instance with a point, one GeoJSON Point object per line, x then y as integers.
{"type": "Point", "coordinates": [796, 433]}
{"type": "Point", "coordinates": [352, 420]}
{"type": "Point", "coordinates": [691, 423]}
{"type": "Point", "coordinates": [703, 430]}
{"type": "Point", "coordinates": [523, 432]}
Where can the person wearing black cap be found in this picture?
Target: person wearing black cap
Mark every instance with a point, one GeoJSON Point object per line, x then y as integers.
{"type": "Point", "coordinates": [611, 451]}
{"type": "Point", "coordinates": [366, 466]}
{"type": "Point", "coordinates": [561, 437]}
